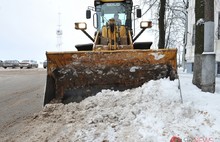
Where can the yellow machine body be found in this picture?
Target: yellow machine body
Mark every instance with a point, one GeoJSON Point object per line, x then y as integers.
{"type": "Point", "coordinates": [112, 61]}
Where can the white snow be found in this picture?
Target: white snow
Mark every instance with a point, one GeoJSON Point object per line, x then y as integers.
{"type": "Point", "coordinates": [133, 69]}
{"type": "Point", "coordinates": [157, 56]}
{"type": "Point", "coordinates": [201, 21]}
{"type": "Point", "coordinates": [150, 113]}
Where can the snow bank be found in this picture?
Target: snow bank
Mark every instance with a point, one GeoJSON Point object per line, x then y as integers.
{"type": "Point", "coordinates": [150, 113]}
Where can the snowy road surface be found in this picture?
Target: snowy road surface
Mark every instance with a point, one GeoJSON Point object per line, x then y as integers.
{"type": "Point", "coordinates": [150, 113]}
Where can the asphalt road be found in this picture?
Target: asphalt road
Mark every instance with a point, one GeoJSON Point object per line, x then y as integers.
{"type": "Point", "coordinates": [21, 95]}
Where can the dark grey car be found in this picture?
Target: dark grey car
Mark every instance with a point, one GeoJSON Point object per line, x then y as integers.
{"type": "Point", "coordinates": [1, 63]}
{"type": "Point", "coordinates": [10, 63]}
{"type": "Point", "coordinates": [45, 64]}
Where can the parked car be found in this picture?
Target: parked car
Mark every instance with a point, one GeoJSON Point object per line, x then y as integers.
{"type": "Point", "coordinates": [45, 64]}
{"type": "Point", "coordinates": [1, 63]}
{"type": "Point", "coordinates": [28, 64]}
{"type": "Point", "coordinates": [10, 63]}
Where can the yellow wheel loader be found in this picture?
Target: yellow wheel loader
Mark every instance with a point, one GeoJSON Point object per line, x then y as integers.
{"type": "Point", "coordinates": [112, 61]}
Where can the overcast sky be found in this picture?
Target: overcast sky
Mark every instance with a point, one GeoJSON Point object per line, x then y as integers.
{"type": "Point", "coordinates": [28, 27]}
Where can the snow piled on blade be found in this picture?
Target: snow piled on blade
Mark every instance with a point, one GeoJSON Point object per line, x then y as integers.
{"type": "Point", "coordinates": [157, 56]}
{"type": "Point", "coordinates": [150, 113]}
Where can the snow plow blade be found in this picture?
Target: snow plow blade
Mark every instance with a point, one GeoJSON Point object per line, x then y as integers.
{"type": "Point", "coordinates": [73, 76]}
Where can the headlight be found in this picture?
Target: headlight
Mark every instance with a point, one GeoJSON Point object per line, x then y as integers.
{"type": "Point", "coordinates": [80, 26]}
{"type": "Point", "coordinates": [146, 24]}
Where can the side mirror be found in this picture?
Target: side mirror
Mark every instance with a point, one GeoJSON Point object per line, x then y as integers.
{"type": "Point", "coordinates": [88, 14]}
{"type": "Point", "coordinates": [138, 12]}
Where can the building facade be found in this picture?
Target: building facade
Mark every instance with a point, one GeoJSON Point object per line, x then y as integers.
{"type": "Point", "coordinates": [190, 46]}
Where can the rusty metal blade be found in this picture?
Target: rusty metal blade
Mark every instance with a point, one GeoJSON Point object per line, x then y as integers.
{"type": "Point", "coordinates": [73, 76]}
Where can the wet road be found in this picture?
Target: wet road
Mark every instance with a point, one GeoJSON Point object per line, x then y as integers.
{"type": "Point", "coordinates": [21, 94]}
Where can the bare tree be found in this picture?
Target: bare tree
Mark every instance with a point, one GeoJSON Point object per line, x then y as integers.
{"type": "Point", "coordinates": [199, 42]}
{"type": "Point", "coordinates": [169, 20]}
{"type": "Point", "coordinates": [161, 43]}
{"type": "Point", "coordinates": [175, 24]}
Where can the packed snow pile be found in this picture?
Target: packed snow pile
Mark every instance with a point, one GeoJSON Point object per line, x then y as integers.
{"type": "Point", "coordinates": [150, 113]}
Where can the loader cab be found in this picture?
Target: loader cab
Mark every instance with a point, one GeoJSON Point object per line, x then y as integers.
{"type": "Point", "coordinates": [108, 32]}
{"type": "Point", "coordinates": [104, 11]}
{"type": "Point", "coordinates": [107, 11]}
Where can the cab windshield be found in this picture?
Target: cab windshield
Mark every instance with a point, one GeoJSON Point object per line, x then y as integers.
{"type": "Point", "coordinates": [107, 11]}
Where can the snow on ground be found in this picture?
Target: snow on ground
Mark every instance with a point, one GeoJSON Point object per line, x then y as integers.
{"type": "Point", "coordinates": [150, 113]}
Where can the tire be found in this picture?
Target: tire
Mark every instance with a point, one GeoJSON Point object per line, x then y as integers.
{"type": "Point", "coordinates": [29, 67]}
